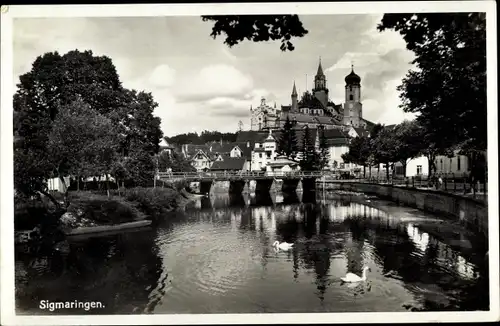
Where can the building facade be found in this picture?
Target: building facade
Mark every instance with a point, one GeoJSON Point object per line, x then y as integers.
{"type": "Point", "coordinates": [314, 108]}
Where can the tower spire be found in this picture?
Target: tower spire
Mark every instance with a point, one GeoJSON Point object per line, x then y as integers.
{"type": "Point", "coordinates": [294, 90]}
{"type": "Point", "coordinates": [320, 69]}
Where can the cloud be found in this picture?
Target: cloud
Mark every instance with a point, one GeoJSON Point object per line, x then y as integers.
{"type": "Point", "coordinates": [230, 107]}
{"type": "Point", "coordinates": [219, 80]}
{"type": "Point", "coordinates": [201, 84]}
{"type": "Point", "coordinates": [162, 76]}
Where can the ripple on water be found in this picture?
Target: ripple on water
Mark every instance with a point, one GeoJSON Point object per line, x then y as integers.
{"type": "Point", "coordinates": [214, 260]}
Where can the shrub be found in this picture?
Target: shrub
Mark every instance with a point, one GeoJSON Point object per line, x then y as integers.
{"type": "Point", "coordinates": [102, 209]}
{"type": "Point", "coordinates": [154, 202]}
{"type": "Point", "coordinates": [28, 214]}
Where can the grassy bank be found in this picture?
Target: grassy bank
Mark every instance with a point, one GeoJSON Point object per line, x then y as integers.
{"type": "Point", "coordinates": [91, 208]}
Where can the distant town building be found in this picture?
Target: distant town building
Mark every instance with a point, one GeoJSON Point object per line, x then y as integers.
{"type": "Point", "coordinates": [314, 108]}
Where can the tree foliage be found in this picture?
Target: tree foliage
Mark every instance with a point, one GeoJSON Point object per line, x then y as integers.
{"type": "Point", "coordinates": [324, 151]}
{"type": "Point", "coordinates": [448, 87]}
{"type": "Point", "coordinates": [73, 117]}
{"type": "Point", "coordinates": [358, 153]}
{"type": "Point", "coordinates": [287, 141]}
{"type": "Point", "coordinates": [407, 142]}
{"type": "Point", "coordinates": [309, 160]}
{"type": "Point", "coordinates": [257, 28]}
{"type": "Point", "coordinates": [203, 138]}
{"type": "Point", "coordinates": [174, 161]}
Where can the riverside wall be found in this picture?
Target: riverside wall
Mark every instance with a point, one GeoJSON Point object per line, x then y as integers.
{"type": "Point", "coordinates": [469, 211]}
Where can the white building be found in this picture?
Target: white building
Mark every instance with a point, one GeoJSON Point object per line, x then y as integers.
{"type": "Point", "coordinates": [201, 161]}
{"type": "Point", "coordinates": [458, 164]}
{"type": "Point", "coordinates": [418, 166]}
{"type": "Point", "coordinates": [264, 152]}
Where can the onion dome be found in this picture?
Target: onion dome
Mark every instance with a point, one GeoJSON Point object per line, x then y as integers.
{"type": "Point", "coordinates": [352, 78]}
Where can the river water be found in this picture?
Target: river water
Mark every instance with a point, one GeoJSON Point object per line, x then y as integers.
{"type": "Point", "coordinates": [217, 257]}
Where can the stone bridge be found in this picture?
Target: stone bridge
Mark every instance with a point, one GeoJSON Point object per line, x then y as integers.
{"type": "Point", "coordinates": [247, 182]}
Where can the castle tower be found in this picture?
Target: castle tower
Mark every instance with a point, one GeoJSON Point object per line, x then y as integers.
{"type": "Point", "coordinates": [320, 91]}
{"type": "Point", "coordinates": [294, 99]}
{"type": "Point", "coordinates": [352, 107]}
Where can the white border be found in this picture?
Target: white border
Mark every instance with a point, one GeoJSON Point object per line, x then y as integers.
{"type": "Point", "coordinates": [6, 189]}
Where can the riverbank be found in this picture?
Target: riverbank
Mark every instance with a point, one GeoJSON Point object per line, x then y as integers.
{"type": "Point", "coordinates": [469, 212]}
{"type": "Point", "coordinates": [87, 210]}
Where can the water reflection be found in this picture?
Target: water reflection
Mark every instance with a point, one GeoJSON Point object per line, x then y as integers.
{"type": "Point", "coordinates": [218, 257]}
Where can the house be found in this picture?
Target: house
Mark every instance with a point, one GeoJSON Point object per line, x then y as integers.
{"type": "Point", "coordinates": [282, 164]}
{"type": "Point", "coordinates": [56, 184]}
{"type": "Point", "coordinates": [264, 151]}
{"type": "Point", "coordinates": [418, 166]}
{"type": "Point", "coordinates": [236, 152]}
{"type": "Point", "coordinates": [201, 161]}
{"type": "Point", "coordinates": [166, 147]}
{"type": "Point", "coordinates": [189, 150]}
{"type": "Point", "coordinates": [457, 165]}
{"type": "Point", "coordinates": [231, 164]}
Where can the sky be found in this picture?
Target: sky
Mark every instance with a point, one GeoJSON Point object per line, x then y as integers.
{"type": "Point", "coordinates": [202, 84]}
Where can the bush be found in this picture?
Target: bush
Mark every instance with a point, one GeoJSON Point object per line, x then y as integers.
{"type": "Point", "coordinates": [154, 202]}
{"type": "Point", "coordinates": [103, 210]}
{"type": "Point", "coordinates": [28, 214]}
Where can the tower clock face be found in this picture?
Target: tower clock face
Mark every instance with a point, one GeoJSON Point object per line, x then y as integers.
{"type": "Point", "coordinates": [350, 105]}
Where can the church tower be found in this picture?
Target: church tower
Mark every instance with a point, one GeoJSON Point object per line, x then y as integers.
{"type": "Point", "coordinates": [294, 99]}
{"type": "Point", "coordinates": [352, 107]}
{"type": "Point", "coordinates": [320, 91]}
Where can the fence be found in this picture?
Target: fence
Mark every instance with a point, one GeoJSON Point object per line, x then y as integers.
{"type": "Point", "coordinates": [458, 184]}
{"type": "Point", "coordinates": [239, 175]}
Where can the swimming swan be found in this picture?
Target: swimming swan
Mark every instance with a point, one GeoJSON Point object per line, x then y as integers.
{"type": "Point", "coordinates": [351, 278]}
{"type": "Point", "coordinates": [283, 245]}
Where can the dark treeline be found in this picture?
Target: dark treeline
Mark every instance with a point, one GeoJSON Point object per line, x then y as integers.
{"type": "Point", "coordinates": [203, 138]}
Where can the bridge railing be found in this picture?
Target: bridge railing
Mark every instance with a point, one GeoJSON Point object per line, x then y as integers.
{"type": "Point", "coordinates": [238, 174]}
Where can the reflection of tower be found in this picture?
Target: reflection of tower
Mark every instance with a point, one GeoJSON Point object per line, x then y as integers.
{"type": "Point", "coordinates": [310, 217]}
{"type": "Point", "coordinates": [354, 247]}
{"type": "Point", "coordinates": [321, 268]}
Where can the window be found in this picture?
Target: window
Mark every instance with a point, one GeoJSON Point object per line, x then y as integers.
{"type": "Point", "coordinates": [458, 163]}
{"type": "Point", "coordinates": [260, 155]}
{"type": "Point", "coordinates": [351, 97]}
{"type": "Point", "coordinates": [419, 169]}
{"type": "Point", "coordinates": [441, 164]}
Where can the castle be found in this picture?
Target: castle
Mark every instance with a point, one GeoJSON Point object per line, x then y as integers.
{"type": "Point", "coordinates": [315, 108]}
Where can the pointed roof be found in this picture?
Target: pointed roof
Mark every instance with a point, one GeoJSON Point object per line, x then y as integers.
{"type": "Point", "coordinates": [294, 90]}
{"type": "Point", "coordinates": [320, 69]}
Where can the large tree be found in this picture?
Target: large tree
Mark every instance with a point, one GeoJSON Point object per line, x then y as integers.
{"type": "Point", "coordinates": [324, 151]}
{"type": "Point", "coordinates": [384, 148]}
{"type": "Point", "coordinates": [309, 160]}
{"type": "Point", "coordinates": [448, 87]}
{"type": "Point", "coordinates": [82, 143]}
{"type": "Point", "coordinates": [257, 28]}
{"type": "Point", "coordinates": [358, 152]}
{"type": "Point", "coordinates": [407, 142]}
{"type": "Point", "coordinates": [174, 161]}
{"type": "Point", "coordinates": [55, 82]}
{"type": "Point", "coordinates": [287, 140]}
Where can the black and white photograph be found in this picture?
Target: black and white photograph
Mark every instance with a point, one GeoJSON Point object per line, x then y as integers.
{"type": "Point", "coordinates": [249, 163]}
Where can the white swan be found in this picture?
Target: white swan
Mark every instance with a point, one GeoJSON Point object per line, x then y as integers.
{"type": "Point", "coordinates": [351, 278]}
{"type": "Point", "coordinates": [283, 245]}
